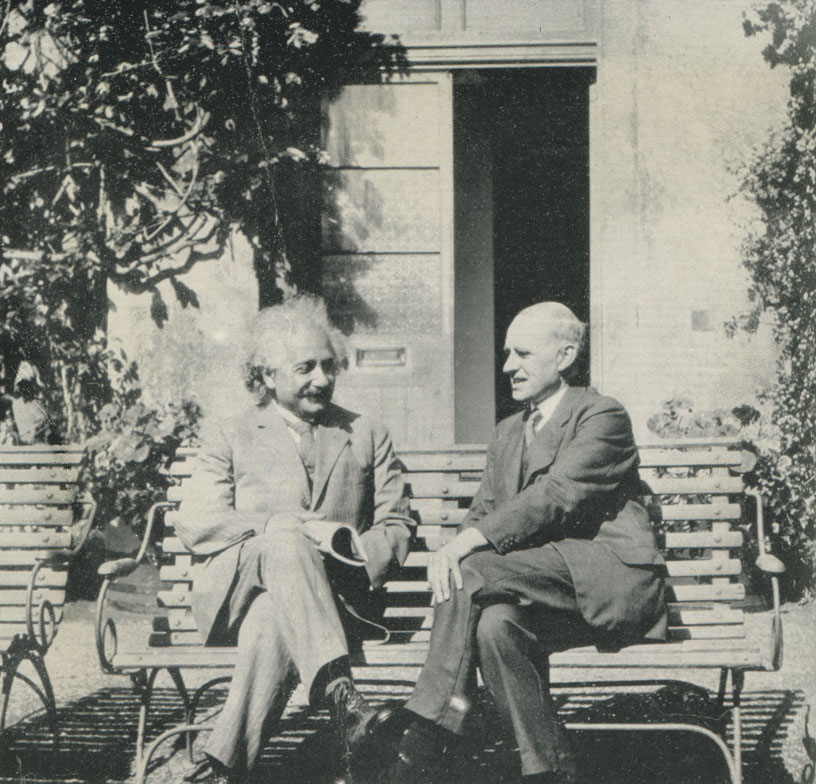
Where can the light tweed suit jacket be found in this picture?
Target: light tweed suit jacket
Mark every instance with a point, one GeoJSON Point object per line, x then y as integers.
{"type": "Point", "coordinates": [249, 469]}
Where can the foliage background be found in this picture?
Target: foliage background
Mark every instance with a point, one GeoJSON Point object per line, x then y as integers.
{"type": "Point", "coordinates": [779, 252]}
{"type": "Point", "coordinates": [135, 136]}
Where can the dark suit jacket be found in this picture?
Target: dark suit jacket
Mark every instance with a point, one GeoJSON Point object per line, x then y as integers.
{"type": "Point", "coordinates": [580, 493]}
{"type": "Point", "coordinates": [249, 469]}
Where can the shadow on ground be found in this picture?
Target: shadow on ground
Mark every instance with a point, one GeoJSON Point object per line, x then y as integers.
{"type": "Point", "coordinates": [98, 739]}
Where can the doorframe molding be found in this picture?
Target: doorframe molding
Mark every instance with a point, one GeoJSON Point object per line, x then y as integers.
{"type": "Point", "coordinates": [434, 55]}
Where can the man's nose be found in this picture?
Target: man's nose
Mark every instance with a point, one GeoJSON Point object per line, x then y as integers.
{"type": "Point", "coordinates": [320, 378]}
{"type": "Point", "coordinates": [510, 364]}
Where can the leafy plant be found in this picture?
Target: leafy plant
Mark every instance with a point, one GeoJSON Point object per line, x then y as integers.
{"type": "Point", "coordinates": [132, 450]}
{"type": "Point", "coordinates": [780, 254]}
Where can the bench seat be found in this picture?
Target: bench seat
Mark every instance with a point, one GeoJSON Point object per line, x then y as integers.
{"type": "Point", "coordinates": [697, 501]}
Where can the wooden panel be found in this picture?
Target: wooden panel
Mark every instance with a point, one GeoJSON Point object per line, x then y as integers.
{"type": "Point", "coordinates": [176, 597]}
{"type": "Point", "coordinates": [17, 614]}
{"type": "Point", "coordinates": [696, 511]}
{"type": "Point", "coordinates": [10, 630]}
{"type": "Point", "coordinates": [679, 616]}
{"type": "Point", "coordinates": [40, 475]}
{"type": "Point", "coordinates": [381, 211]}
{"type": "Point", "coordinates": [181, 620]}
{"type": "Point", "coordinates": [20, 577]}
{"type": "Point", "coordinates": [174, 494]}
{"type": "Point", "coordinates": [707, 632]}
{"type": "Point", "coordinates": [435, 511]}
{"type": "Point", "coordinates": [704, 539]}
{"type": "Point", "coordinates": [23, 557]}
{"type": "Point", "coordinates": [401, 293]}
{"type": "Point", "coordinates": [427, 485]}
{"type": "Point", "coordinates": [395, 125]}
{"type": "Point", "coordinates": [700, 593]}
{"type": "Point", "coordinates": [37, 495]}
{"type": "Point", "coordinates": [184, 638]}
{"type": "Point", "coordinates": [32, 456]}
{"type": "Point", "coordinates": [657, 655]}
{"type": "Point", "coordinates": [443, 461]}
{"type": "Point", "coordinates": [17, 597]}
{"type": "Point", "coordinates": [652, 457]}
{"type": "Point", "coordinates": [176, 573]}
{"type": "Point", "coordinates": [30, 515]}
{"type": "Point", "coordinates": [32, 540]}
{"type": "Point", "coordinates": [521, 18]}
{"type": "Point", "coordinates": [699, 567]}
{"type": "Point", "coordinates": [698, 485]}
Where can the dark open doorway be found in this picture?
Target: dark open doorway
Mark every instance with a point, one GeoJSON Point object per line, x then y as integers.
{"type": "Point", "coordinates": [521, 234]}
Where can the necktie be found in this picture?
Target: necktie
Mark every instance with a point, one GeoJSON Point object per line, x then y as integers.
{"type": "Point", "coordinates": [306, 445]}
{"type": "Point", "coordinates": [531, 426]}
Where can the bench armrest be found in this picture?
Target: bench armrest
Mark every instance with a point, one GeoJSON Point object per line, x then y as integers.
{"type": "Point", "coordinates": [118, 568]}
{"type": "Point", "coordinates": [105, 629]}
{"type": "Point", "coordinates": [770, 565]}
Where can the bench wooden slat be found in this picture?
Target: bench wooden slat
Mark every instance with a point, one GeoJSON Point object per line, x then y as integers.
{"type": "Point", "coordinates": [53, 595]}
{"type": "Point", "coordinates": [694, 485]}
{"type": "Point", "coordinates": [8, 631]}
{"type": "Point", "coordinates": [24, 557]}
{"type": "Point", "coordinates": [16, 615]}
{"type": "Point", "coordinates": [704, 567]}
{"type": "Point", "coordinates": [717, 632]}
{"type": "Point", "coordinates": [47, 577]}
{"type": "Point", "coordinates": [429, 485]}
{"type": "Point", "coordinates": [39, 475]}
{"type": "Point", "coordinates": [733, 592]}
{"type": "Point", "coordinates": [28, 494]}
{"type": "Point", "coordinates": [34, 539]}
{"type": "Point", "coordinates": [649, 457]}
{"type": "Point", "coordinates": [30, 515]}
{"type": "Point", "coordinates": [703, 540]}
{"type": "Point", "coordinates": [669, 512]}
{"type": "Point", "coordinates": [20, 455]}
{"type": "Point", "coordinates": [655, 457]}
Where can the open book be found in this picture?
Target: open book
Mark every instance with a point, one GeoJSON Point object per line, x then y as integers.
{"type": "Point", "coordinates": [339, 540]}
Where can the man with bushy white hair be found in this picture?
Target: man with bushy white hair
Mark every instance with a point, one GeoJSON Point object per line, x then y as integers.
{"type": "Point", "coordinates": [275, 463]}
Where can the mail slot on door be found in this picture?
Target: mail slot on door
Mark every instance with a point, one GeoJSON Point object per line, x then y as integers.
{"type": "Point", "coordinates": [381, 357]}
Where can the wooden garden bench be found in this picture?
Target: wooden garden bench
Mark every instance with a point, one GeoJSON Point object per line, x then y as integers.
{"type": "Point", "coordinates": [43, 524]}
{"type": "Point", "coordinates": [696, 498]}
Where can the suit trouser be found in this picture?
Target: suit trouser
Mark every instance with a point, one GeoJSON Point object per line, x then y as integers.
{"type": "Point", "coordinates": [513, 610]}
{"type": "Point", "coordinates": [289, 628]}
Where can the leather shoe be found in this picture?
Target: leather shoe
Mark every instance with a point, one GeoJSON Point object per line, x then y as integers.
{"type": "Point", "coordinates": [419, 756]}
{"type": "Point", "coordinates": [360, 725]}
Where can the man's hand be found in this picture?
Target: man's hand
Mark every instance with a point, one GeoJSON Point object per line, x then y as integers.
{"type": "Point", "coordinates": [445, 562]}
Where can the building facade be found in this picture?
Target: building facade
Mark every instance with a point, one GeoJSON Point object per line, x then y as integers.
{"type": "Point", "coordinates": [580, 150]}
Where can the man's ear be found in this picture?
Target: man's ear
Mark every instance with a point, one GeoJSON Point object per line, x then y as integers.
{"type": "Point", "coordinates": [568, 354]}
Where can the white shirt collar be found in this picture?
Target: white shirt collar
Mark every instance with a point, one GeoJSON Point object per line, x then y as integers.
{"type": "Point", "coordinates": [292, 421]}
{"type": "Point", "coordinates": [548, 405]}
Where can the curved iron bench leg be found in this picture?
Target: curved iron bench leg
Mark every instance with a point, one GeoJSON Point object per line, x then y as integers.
{"type": "Point", "coordinates": [141, 773]}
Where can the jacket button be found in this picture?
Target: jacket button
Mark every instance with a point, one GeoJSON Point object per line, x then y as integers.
{"type": "Point", "coordinates": [305, 502]}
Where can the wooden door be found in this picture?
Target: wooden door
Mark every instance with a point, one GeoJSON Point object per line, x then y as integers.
{"type": "Point", "coordinates": [387, 251]}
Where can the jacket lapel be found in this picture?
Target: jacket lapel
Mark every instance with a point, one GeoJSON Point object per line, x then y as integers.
{"type": "Point", "coordinates": [509, 458]}
{"type": "Point", "coordinates": [330, 441]}
{"type": "Point", "coordinates": [544, 447]}
{"type": "Point", "coordinates": [273, 430]}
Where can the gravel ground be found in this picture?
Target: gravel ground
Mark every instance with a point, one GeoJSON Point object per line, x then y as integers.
{"type": "Point", "coordinates": [98, 712]}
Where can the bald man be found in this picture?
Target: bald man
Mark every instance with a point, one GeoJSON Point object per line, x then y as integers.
{"type": "Point", "coordinates": [556, 551]}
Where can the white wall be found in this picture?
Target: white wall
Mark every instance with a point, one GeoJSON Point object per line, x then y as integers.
{"type": "Point", "coordinates": [681, 98]}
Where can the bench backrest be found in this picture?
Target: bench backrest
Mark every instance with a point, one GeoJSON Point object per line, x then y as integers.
{"type": "Point", "coordinates": [695, 498]}
{"type": "Point", "coordinates": [38, 491]}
